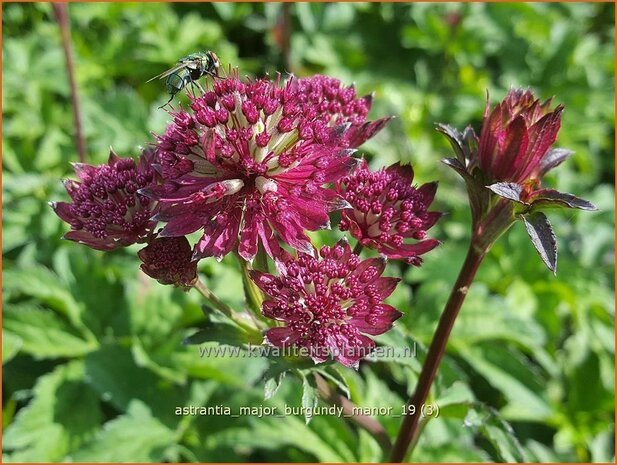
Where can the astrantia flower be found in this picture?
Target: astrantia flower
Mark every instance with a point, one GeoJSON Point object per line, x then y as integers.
{"type": "Point", "coordinates": [168, 260]}
{"type": "Point", "coordinates": [386, 209]}
{"type": "Point", "coordinates": [516, 136]}
{"type": "Point", "coordinates": [107, 211]}
{"type": "Point", "coordinates": [324, 98]}
{"type": "Point", "coordinates": [250, 161]}
{"type": "Point", "coordinates": [330, 304]}
{"type": "Point", "coordinates": [503, 170]}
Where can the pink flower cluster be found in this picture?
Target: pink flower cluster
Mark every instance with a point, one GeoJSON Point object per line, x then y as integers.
{"type": "Point", "coordinates": [253, 160]}
{"type": "Point", "coordinates": [258, 163]}
{"type": "Point", "coordinates": [329, 305]}
{"type": "Point", "coordinates": [107, 209]}
{"type": "Point", "coordinates": [387, 209]}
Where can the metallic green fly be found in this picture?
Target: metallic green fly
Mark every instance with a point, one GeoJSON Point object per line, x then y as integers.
{"type": "Point", "coordinates": [187, 71]}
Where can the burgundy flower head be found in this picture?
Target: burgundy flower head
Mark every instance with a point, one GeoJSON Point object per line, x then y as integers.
{"type": "Point", "coordinates": [516, 136]}
{"type": "Point", "coordinates": [503, 170]}
{"type": "Point", "coordinates": [333, 104]}
{"type": "Point", "coordinates": [107, 211]}
{"type": "Point", "coordinates": [168, 260]}
{"type": "Point", "coordinates": [387, 209]}
{"type": "Point", "coordinates": [330, 304]}
{"type": "Point", "coordinates": [249, 163]}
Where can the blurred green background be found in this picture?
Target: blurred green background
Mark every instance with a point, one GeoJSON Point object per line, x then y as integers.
{"type": "Point", "coordinates": [92, 354]}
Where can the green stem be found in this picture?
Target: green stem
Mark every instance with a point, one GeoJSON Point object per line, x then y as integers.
{"type": "Point", "coordinates": [358, 248]}
{"type": "Point", "coordinates": [261, 260]}
{"type": "Point", "coordinates": [253, 295]}
{"type": "Point", "coordinates": [218, 304]}
{"type": "Point", "coordinates": [410, 427]}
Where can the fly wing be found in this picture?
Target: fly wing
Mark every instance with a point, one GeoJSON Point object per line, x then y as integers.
{"type": "Point", "coordinates": [176, 68]}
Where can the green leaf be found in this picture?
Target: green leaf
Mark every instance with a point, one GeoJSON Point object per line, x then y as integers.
{"type": "Point", "coordinates": [497, 431]}
{"type": "Point", "coordinates": [455, 401]}
{"type": "Point", "coordinates": [400, 355]}
{"type": "Point", "coordinates": [309, 395]}
{"type": "Point", "coordinates": [134, 437]}
{"type": "Point", "coordinates": [223, 333]}
{"type": "Point", "coordinates": [275, 433]}
{"type": "Point", "coordinates": [63, 414]}
{"type": "Point", "coordinates": [113, 372]}
{"type": "Point", "coordinates": [513, 323]}
{"type": "Point", "coordinates": [10, 344]}
{"type": "Point", "coordinates": [44, 285]}
{"type": "Point", "coordinates": [274, 377]}
{"type": "Point", "coordinates": [252, 293]}
{"type": "Point", "coordinates": [146, 359]}
{"type": "Point", "coordinates": [543, 238]}
{"type": "Point", "coordinates": [509, 371]}
{"type": "Point", "coordinates": [334, 375]}
{"type": "Point", "coordinates": [44, 334]}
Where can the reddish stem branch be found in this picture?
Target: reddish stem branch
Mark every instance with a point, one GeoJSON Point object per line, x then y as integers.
{"type": "Point", "coordinates": [61, 11]}
{"type": "Point", "coordinates": [286, 42]}
{"type": "Point", "coordinates": [372, 426]}
{"type": "Point", "coordinates": [410, 427]}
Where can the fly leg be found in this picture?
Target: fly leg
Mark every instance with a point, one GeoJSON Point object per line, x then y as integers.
{"type": "Point", "coordinates": [199, 87]}
{"type": "Point", "coordinates": [174, 84]}
{"type": "Point", "coordinates": [195, 83]}
{"type": "Point", "coordinates": [168, 101]}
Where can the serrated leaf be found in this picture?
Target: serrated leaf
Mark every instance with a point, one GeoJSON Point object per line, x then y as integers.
{"type": "Point", "coordinates": [113, 372]}
{"type": "Point", "coordinates": [510, 372]}
{"type": "Point", "coordinates": [273, 379]}
{"type": "Point", "coordinates": [542, 237]}
{"type": "Point", "coordinates": [497, 431]}
{"type": "Point", "coordinates": [134, 437]}
{"type": "Point", "coordinates": [44, 334]}
{"type": "Point", "coordinates": [63, 414]}
{"type": "Point", "coordinates": [10, 345]}
{"type": "Point", "coordinates": [146, 359]}
{"type": "Point", "coordinates": [458, 393]}
{"type": "Point", "coordinates": [551, 198]}
{"type": "Point", "coordinates": [275, 433]}
{"type": "Point", "coordinates": [44, 285]}
{"type": "Point", "coordinates": [507, 190]}
{"type": "Point", "coordinates": [309, 396]}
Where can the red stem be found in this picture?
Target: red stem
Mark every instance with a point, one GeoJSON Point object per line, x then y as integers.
{"type": "Point", "coordinates": [286, 43]}
{"type": "Point", "coordinates": [410, 427]}
{"type": "Point", "coordinates": [61, 11]}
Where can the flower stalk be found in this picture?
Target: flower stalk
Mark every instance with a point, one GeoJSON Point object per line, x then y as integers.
{"type": "Point", "coordinates": [502, 169]}
{"type": "Point", "coordinates": [215, 302]}
{"type": "Point", "coordinates": [410, 427]}
{"type": "Point", "coordinates": [252, 294]}
{"type": "Point", "coordinates": [61, 11]}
